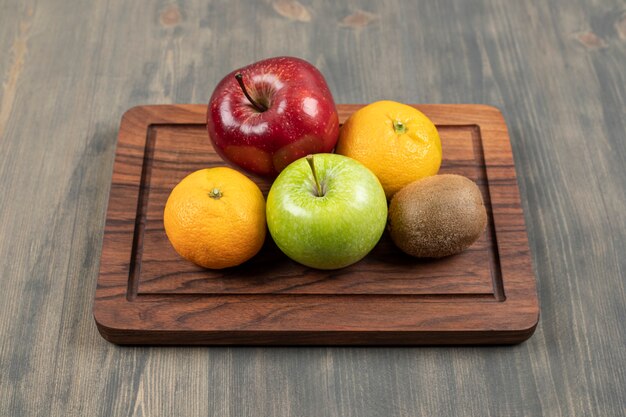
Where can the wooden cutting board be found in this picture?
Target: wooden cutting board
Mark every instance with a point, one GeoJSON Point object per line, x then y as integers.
{"type": "Point", "coordinates": [147, 294]}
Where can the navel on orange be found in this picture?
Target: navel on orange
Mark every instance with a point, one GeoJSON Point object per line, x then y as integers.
{"type": "Point", "coordinates": [215, 218]}
{"type": "Point", "coordinates": [396, 142]}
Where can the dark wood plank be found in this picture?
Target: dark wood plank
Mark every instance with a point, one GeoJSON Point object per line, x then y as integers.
{"type": "Point", "coordinates": [70, 69]}
{"type": "Point", "coordinates": [148, 294]}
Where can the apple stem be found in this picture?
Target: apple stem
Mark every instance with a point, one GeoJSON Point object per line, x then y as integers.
{"type": "Point", "coordinates": [254, 103]}
{"type": "Point", "coordinates": [311, 162]}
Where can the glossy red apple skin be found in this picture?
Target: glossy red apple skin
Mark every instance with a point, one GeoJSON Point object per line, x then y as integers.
{"type": "Point", "coordinates": [301, 117]}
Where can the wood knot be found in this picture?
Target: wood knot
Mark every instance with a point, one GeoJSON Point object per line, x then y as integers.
{"type": "Point", "coordinates": [590, 40]}
{"type": "Point", "coordinates": [170, 16]}
{"type": "Point", "coordinates": [358, 19]}
{"type": "Point", "coordinates": [292, 10]}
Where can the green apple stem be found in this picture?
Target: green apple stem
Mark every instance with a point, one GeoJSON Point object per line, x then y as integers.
{"type": "Point", "coordinates": [254, 103]}
{"type": "Point", "coordinates": [311, 162]}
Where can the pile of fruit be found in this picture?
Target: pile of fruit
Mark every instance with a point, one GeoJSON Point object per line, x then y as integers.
{"type": "Point", "coordinates": [277, 119]}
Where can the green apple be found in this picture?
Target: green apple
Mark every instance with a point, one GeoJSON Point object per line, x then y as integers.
{"type": "Point", "coordinates": [326, 211]}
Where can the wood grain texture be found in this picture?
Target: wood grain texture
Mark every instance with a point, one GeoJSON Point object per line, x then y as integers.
{"type": "Point", "coordinates": [147, 294]}
{"type": "Point", "coordinates": [84, 63]}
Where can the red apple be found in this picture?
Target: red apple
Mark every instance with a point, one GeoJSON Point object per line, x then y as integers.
{"type": "Point", "coordinates": [264, 116]}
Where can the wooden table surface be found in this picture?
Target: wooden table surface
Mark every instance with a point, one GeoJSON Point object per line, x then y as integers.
{"type": "Point", "coordinates": [70, 69]}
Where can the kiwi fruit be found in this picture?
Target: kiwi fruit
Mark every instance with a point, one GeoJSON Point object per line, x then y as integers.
{"type": "Point", "coordinates": [437, 216]}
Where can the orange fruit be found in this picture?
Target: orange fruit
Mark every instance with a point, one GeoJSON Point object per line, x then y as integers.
{"type": "Point", "coordinates": [215, 218]}
{"type": "Point", "coordinates": [396, 142]}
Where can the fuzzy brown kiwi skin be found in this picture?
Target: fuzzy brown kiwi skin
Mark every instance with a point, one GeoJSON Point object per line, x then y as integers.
{"type": "Point", "coordinates": [437, 216]}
